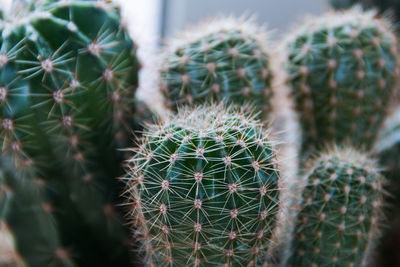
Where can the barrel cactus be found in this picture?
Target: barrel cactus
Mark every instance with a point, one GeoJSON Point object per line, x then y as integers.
{"type": "Point", "coordinates": [341, 70]}
{"type": "Point", "coordinates": [339, 219]}
{"type": "Point", "coordinates": [222, 60]}
{"type": "Point", "coordinates": [68, 76]}
{"type": "Point", "coordinates": [203, 190]}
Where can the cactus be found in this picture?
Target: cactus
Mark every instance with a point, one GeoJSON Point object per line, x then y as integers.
{"type": "Point", "coordinates": [203, 189]}
{"type": "Point", "coordinates": [26, 221]}
{"type": "Point", "coordinates": [68, 76]}
{"type": "Point", "coordinates": [341, 69]}
{"type": "Point", "coordinates": [339, 219]}
{"type": "Point", "coordinates": [391, 7]}
{"type": "Point", "coordinates": [223, 60]}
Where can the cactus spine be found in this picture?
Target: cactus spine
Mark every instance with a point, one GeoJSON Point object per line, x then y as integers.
{"type": "Point", "coordinates": [338, 222]}
{"type": "Point", "coordinates": [223, 60]}
{"type": "Point", "coordinates": [341, 69]}
{"type": "Point", "coordinates": [68, 76]}
{"type": "Point", "coordinates": [204, 190]}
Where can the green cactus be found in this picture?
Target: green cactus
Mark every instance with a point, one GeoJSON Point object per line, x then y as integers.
{"type": "Point", "coordinates": [204, 190]}
{"type": "Point", "coordinates": [390, 7]}
{"type": "Point", "coordinates": [223, 60]}
{"type": "Point", "coordinates": [68, 76]}
{"type": "Point", "coordinates": [25, 210]}
{"type": "Point", "coordinates": [341, 210]}
{"type": "Point", "coordinates": [341, 69]}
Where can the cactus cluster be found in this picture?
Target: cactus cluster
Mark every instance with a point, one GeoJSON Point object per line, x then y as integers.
{"type": "Point", "coordinates": [68, 74]}
{"type": "Point", "coordinates": [340, 213]}
{"type": "Point", "coordinates": [223, 60]}
{"type": "Point", "coordinates": [205, 186]}
{"type": "Point", "coordinates": [341, 70]}
{"type": "Point", "coordinates": [204, 190]}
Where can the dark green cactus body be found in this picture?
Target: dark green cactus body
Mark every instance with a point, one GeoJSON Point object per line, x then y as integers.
{"type": "Point", "coordinates": [25, 210]}
{"type": "Point", "coordinates": [224, 60]}
{"type": "Point", "coordinates": [340, 213]}
{"type": "Point", "coordinates": [68, 77]}
{"type": "Point", "coordinates": [204, 189]}
{"type": "Point", "coordinates": [341, 71]}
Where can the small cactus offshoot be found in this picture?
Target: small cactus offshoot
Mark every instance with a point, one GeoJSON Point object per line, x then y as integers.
{"type": "Point", "coordinates": [203, 190]}
{"type": "Point", "coordinates": [341, 69]}
{"type": "Point", "coordinates": [222, 60]}
{"type": "Point", "coordinates": [341, 210]}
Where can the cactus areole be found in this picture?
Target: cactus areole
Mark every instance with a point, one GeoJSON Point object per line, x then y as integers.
{"type": "Point", "coordinates": [204, 190]}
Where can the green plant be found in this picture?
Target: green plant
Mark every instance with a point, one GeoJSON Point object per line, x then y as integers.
{"type": "Point", "coordinates": [391, 7]}
{"type": "Point", "coordinates": [26, 220]}
{"type": "Point", "coordinates": [341, 210]}
{"type": "Point", "coordinates": [68, 76]}
{"type": "Point", "coordinates": [223, 60]}
{"type": "Point", "coordinates": [341, 69]}
{"type": "Point", "coordinates": [203, 189]}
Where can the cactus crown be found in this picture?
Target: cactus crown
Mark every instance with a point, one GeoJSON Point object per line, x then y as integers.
{"type": "Point", "coordinates": [341, 70]}
{"type": "Point", "coordinates": [223, 60]}
{"type": "Point", "coordinates": [204, 189]}
{"type": "Point", "coordinates": [340, 212]}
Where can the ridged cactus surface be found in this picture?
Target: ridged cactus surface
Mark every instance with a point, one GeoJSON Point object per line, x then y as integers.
{"type": "Point", "coordinates": [339, 219]}
{"type": "Point", "coordinates": [68, 74]}
{"type": "Point", "coordinates": [26, 215]}
{"type": "Point", "coordinates": [341, 69]}
{"type": "Point", "coordinates": [203, 189]}
{"type": "Point", "coordinates": [222, 60]}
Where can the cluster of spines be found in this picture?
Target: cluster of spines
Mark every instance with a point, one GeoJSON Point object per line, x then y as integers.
{"type": "Point", "coordinates": [203, 189]}
{"type": "Point", "coordinates": [342, 73]}
{"type": "Point", "coordinates": [341, 211]}
{"type": "Point", "coordinates": [224, 60]}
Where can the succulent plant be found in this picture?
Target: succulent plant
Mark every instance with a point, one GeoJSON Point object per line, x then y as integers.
{"type": "Point", "coordinates": [341, 69]}
{"type": "Point", "coordinates": [26, 221]}
{"type": "Point", "coordinates": [203, 189]}
{"type": "Point", "coordinates": [341, 211]}
{"type": "Point", "coordinates": [391, 7]}
{"type": "Point", "coordinates": [223, 60]}
{"type": "Point", "coordinates": [69, 72]}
